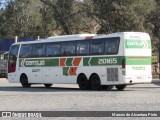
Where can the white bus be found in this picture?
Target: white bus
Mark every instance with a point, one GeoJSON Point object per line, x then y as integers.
{"type": "Point", "coordinates": [92, 61]}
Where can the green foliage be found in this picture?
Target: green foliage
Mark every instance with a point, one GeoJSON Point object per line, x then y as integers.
{"type": "Point", "coordinates": [120, 15]}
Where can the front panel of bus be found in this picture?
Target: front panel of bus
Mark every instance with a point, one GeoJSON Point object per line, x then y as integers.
{"type": "Point", "coordinates": [137, 58]}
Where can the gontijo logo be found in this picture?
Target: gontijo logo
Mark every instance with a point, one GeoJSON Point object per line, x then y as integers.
{"type": "Point", "coordinates": [25, 63]}
{"type": "Point", "coordinates": [130, 43]}
{"type": "Point", "coordinates": [134, 43]}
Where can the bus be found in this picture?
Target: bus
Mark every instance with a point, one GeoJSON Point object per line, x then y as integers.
{"type": "Point", "coordinates": [90, 60]}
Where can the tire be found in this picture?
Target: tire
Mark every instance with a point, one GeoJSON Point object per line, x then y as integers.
{"type": "Point", "coordinates": [95, 82]}
{"type": "Point", "coordinates": [83, 82]}
{"type": "Point", "coordinates": [120, 87]}
{"type": "Point", "coordinates": [24, 81]}
{"type": "Point", "coordinates": [48, 85]}
{"type": "Point", "coordinates": [107, 87]}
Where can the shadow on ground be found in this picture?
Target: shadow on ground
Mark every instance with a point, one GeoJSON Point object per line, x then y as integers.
{"type": "Point", "coordinates": [156, 82]}
{"type": "Point", "coordinates": [53, 89]}
{"type": "Point", "coordinates": [35, 88]}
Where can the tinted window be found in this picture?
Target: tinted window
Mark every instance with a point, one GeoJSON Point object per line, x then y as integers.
{"type": "Point", "coordinates": [26, 50]}
{"type": "Point", "coordinates": [83, 47]}
{"type": "Point", "coordinates": [53, 49]}
{"type": "Point", "coordinates": [39, 50]}
{"type": "Point", "coordinates": [68, 48]}
{"type": "Point", "coordinates": [13, 53]}
{"type": "Point", "coordinates": [111, 45]}
{"type": "Point", "coordinates": [97, 47]}
{"type": "Point", "coordinates": [14, 50]}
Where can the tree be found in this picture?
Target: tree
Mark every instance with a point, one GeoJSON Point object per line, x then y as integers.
{"type": "Point", "coordinates": [120, 15]}
{"type": "Point", "coordinates": [65, 14]}
{"type": "Point", "coordinates": [22, 18]}
{"type": "Point", "coordinates": [48, 22]}
{"type": "Point", "coordinates": [154, 18]}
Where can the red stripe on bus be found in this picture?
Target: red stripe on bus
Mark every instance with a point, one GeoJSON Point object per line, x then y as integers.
{"type": "Point", "coordinates": [62, 61]}
{"type": "Point", "coordinates": [76, 61]}
{"type": "Point", "coordinates": [72, 71]}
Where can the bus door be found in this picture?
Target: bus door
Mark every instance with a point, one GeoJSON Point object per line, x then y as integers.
{"type": "Point", "coordinates": [12, 63]}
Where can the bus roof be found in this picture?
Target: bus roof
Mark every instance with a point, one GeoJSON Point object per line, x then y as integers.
{"type": "Point", "coordinates": [79, 37]}
{"type": "Point", "coordinates": [70, 36]}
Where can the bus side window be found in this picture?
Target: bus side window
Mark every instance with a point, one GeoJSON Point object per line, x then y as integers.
{"type": "Point", "coordinates": [53, 49]}
{"type": "Point", "coordinates": [83, 47]}
{"type": "Point", "coordinates": [97, 47]}
{"type": "Point", "coordinates": [111, 45]}
{"type": "Point", "coordinates": [68, 48]}
{"type": "Point", "coordinates": [39, 50]}
{"type": "Point", "coordinates": [26, 50]}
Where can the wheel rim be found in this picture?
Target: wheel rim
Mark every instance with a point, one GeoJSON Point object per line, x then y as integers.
{"type": "Point", "coordinates": [82, 81]}
{"type": "Point", "coordinates": [24, 80]}
{"type": "Point", "coordinates": [96, 82]}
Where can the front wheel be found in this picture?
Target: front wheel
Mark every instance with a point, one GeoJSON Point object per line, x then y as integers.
{"type": "Point", "coordinates": [24, 81]}
{"type": "Point", "coordinates": [48, 85]}
{"type": "Point", "coordinates": [120, 87]}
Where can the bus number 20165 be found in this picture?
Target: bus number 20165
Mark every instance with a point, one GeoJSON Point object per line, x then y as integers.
{"type": "Point", "coordinates": [107, 61]}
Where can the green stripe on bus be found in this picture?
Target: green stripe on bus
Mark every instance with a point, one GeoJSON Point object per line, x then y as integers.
{"type": "Point", "coordinates": [101, 61]}
{"type": "Point", "coordinates": [65, 70]}
{"type": "Point", "coordinates": [38, 62]}
{"type": "Point", "coordinates": [86, 61]}
{"type": "Point", "coordinates": [69, 61]}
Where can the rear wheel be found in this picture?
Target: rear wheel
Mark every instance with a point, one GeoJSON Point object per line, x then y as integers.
{"type": "Point", "coordinates": [83, 82]}
{"type": "Point", "coordinates": [48, 85]}
{"type": "Point", "coordinates": [24, 81]}
{"type": "Point", "coordinates": [120, 87]}
{"type": "Point", "coordinates": [95, 82]}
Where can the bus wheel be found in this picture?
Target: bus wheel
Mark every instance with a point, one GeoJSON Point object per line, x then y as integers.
{"type": "Point", "coordinates": [107, 87]}
{"type": "Point", "coordinates": [48, 85]}
{"type": "Point", "coordinates": [24, 81]}
{"type": "Point", "coordinates": [95, 82]}
{"type": "Point", "coordinates": [120, 87]}
{"type": "Point", "coordinates": [83, 82]}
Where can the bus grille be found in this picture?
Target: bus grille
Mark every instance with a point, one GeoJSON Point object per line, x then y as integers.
{"type": "Point", "coordinates": [112, 74]}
